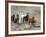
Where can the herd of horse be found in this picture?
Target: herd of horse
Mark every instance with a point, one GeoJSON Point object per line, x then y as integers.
{"type": "Point", "coordinates": [26, 18]}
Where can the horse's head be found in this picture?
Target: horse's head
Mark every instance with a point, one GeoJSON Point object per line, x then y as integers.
{"type": "Point", "coordinates": [23, 16]}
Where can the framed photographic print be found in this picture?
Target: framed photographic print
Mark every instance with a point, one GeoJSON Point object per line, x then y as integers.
{"type": "Point", "coordinates": [25, 18]}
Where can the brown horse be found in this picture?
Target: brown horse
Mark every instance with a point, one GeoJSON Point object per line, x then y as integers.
{"type": "Point", "coordinates": [31, 20]}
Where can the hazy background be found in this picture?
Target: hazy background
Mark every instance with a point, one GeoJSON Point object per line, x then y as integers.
{"type": "Point", "coordinates": [32, 10]}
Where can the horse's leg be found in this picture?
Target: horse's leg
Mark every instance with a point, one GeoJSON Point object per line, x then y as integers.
{"type": "Point", "coordinates": [23, 19]}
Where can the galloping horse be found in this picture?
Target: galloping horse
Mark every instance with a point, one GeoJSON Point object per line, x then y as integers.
{"type": "Point", "coordinates": [31, 20]}
{"type": "Point", "coordinates": [25, 18]}
{"type": "Point", "coordinates": [15, 18]}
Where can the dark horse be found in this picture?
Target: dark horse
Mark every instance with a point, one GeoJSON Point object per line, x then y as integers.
{"type": "Point", "coordinates": [25, 18]}
{"type": "Point", "coordinates": [12, 18]}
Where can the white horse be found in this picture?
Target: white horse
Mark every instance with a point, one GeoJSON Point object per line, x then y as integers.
{"type": "Point", "coordinates": [21, 18]}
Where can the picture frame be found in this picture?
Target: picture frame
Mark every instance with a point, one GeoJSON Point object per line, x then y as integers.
{"type": "Point", "coordinates": [17, 4]}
